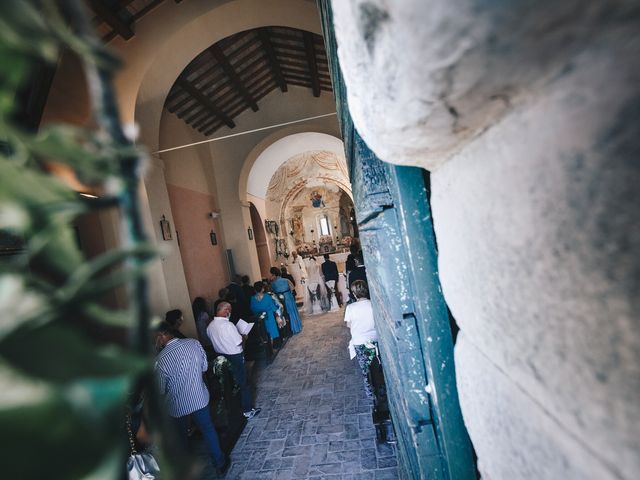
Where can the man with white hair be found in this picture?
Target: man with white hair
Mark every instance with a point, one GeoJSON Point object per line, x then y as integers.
{"type": "Point", "coordinates": [227, 341]}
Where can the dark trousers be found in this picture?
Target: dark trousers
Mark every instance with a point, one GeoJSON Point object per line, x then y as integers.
{"type": "Point", "coordinates": [237, 367]}
{"type": "Point", "coordinates": [202, 418]}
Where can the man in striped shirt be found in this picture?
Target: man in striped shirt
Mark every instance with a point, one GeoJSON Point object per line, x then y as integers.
{"type": "Point", "coordinates": [179, 369]}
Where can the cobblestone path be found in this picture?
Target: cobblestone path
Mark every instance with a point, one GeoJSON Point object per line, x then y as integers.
{"type": "Point", "coordinates": [315, 421]}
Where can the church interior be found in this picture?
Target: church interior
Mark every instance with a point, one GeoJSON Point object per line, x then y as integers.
{"type": "Point", "coordinates": [481, 157]}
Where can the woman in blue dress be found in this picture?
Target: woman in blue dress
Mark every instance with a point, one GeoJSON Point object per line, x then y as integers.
{"type": "Point", "coordinates": [284, 287]}
{"type": "Point", "coordinates": [263, 303]}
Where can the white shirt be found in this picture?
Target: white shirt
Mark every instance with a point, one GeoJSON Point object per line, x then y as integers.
{"type": "Point", "coordinates": [359, 318]}
{"type": "Point", "coordinates": [224, 336]}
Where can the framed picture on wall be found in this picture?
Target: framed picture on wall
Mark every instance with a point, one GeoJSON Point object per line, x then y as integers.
{"type": "Point", "coordinates": [214, 238]}
{"type": "Point", "coordinates": [165, 227]}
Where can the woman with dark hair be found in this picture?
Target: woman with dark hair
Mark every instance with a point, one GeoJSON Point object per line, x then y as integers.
{"type": "Point", "coordinates": [202, 319]}
{"type": "Point", "coordinates": [282, 286]}
{"type": "Point", "coordinates": [262, 305]}
{"type": "Point", "coordinates": [174, 319]}
{"type": "Point", "coordinates": [364, 338]}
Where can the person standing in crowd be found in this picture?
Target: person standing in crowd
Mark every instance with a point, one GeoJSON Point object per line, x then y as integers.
{"type": "Point", "coordinates": [174, 318]}
{"type": "Point", "coordinates": [288, 276]}
{"type": "Point", "coordinates": [358, 273]}
{"type": "Point", "coordinates": [330, 273]}
{"type": "Point", "coordinates": [202, 320]}
{"type": "Point", "coordinates": [228, 342]}
{"type": "Point", "coordinates": [179, 368]}
{"type": "Point", "coordinates": [298, 271]}
{"type": "Point", "coordinates": [329, 269]}
{"type": "Point", "coordinates": [349, 264]}
{"type": "Point", "coordinates": [282, 286]}
{"type": "Point", "coordinates": [316, 290]}
{"type": "Point", "coordinates": [279, 303]}
{"type": "Point", "coordinates": [247, 288]}
{"type": "Point", "coordinates": [262, 302]}
{"type": "Point", "coordinates": [223, 293]}
{"type": "Point", "coordinates": [364, 338]}
{"type": "Point", "coordinates": [241, 306]}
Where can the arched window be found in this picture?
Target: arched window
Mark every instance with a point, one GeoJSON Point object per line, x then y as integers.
{"type": "Point", "coordinates": [324, 226]}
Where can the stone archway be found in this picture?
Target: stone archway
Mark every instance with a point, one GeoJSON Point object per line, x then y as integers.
{"type": "Point", "coordinates": [153, 62]}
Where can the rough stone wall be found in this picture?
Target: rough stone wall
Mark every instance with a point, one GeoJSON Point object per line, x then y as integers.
{"type": "Point", "coordinates": [527, 115]}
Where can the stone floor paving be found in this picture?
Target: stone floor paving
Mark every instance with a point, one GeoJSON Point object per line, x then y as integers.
{"type": "Point", "coordinates": [316, 420]}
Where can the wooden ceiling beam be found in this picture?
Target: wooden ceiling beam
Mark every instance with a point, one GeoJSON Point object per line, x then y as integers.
{"type": "Point", "coordinates": [112, 19]}
{"type": "Point", "coordinates": [225, 103]}
{"type": "Point", "coordinates": [286, 59]}
{"type": "Point", "coordinates": [177, 99]}
{"type": "Point", "coordinates": [304, 78]}
{"type": "Point", "coordinates": [263, 34]}
{"type": "Point", "coordinates": [205, 120]}
{"type": "Point", "coordinates": [244, 57]}
{"type": "Point", "coordinates": [260, 82]}
{"type": "Point", "coordinates": [297, 38]}
{"type": "Point", "coordinates": [210, 81]}
{"type": "Point", "coordinates": [222, 59]}
{"type": "Point", "coordinates": [194, 92]}
{"type": "Point", "coordinates": [297, 48]}
{"type": "Point", "coordinates": [299, 83]}
{"type": "Point", "coordinates": [194, 112]}
{"type": "Point", "coordinates": [260, 73]}
{"type": "Point", "coordinates": [236, 52]}
{"type": "Point", "coordinates": [146, 9]}
{"type": "Point", "coordinates": [236, 107]}
{"type": "Point", "coordinates": [263, 92]}
{"type": "Point", "coordinates": [206, 133]}
{"type": "Point", "coordinates": [221, 80]}
{"type": "Point", "coordinates": [289, 36]}
{"type": "Point", "coordinates": [187, 109]}
{"type": "Point", "coordinates": [251, 70]}
{"type": "Point", "coordinates": [311, 59]}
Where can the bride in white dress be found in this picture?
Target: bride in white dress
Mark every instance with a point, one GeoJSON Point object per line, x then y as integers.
{"type": "Point", "coordinates": [315, 292]}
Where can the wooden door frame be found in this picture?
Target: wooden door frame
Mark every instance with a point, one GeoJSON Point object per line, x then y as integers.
{"type": "Point", "coordinates": [392, 204]}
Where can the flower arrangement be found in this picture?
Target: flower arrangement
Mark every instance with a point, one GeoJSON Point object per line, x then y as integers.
{"type": "Point", "coordinates": [305, 248]}
{"type": "Point", "coordinates": [325, 239]}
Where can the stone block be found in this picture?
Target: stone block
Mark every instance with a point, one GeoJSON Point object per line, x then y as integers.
{"type": "Point", "coordinates": [516, 436]}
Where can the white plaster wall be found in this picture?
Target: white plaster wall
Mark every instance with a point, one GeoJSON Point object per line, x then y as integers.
{"type": "Point", "coordinates": [169, 290]}
{"type": "Point", "coordinates": [190, 167]}
{"type": "Point", "coordinates": [536, 223]}
{"type": "Point", "coordinates": [282, 150]}
{"type": "Point", "coordinates": [426, 77]}
{"type": "Point", "coordinates": [527, 115]}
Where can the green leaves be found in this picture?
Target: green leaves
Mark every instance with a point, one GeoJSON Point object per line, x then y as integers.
{"type": "Point", "coordinates": [54, 432]}
{"type": "Point", "coordinates": [59, 353]}
{"type": "Point", "coordinates": [65, 369]}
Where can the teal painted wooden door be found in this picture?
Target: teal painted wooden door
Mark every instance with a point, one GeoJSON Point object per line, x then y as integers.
{"type": "Point", "coordinates": [396, 232]}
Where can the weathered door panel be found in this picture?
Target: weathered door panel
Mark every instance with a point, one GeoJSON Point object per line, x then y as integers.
{"type": "Point", "coordinates": [396, 232]}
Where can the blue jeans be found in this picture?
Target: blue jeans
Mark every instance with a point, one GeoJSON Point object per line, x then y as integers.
{"type": "Point", "coordinates": [237, 367]}
{"type": "Point", "coordinates": [203, 420]}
